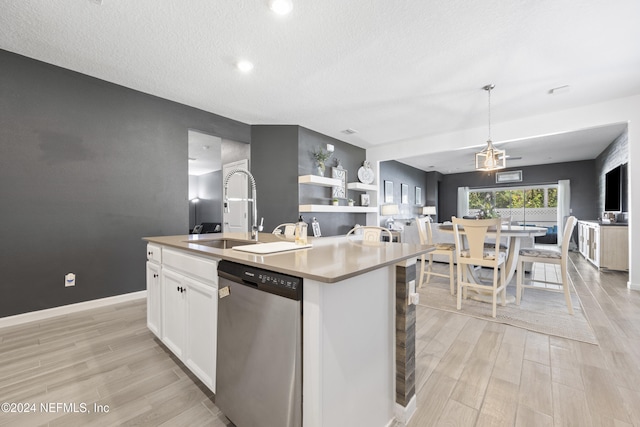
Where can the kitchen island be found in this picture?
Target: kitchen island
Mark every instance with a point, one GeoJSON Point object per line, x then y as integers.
{"type": "Point", "coordinates": [359, 330]}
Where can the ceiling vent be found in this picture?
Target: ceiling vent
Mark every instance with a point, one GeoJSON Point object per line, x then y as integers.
{"type": "Point", "coordinates": [349, 131]}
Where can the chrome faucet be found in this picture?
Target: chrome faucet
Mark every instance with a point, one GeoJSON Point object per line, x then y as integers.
{"type": "Point", "coordinates": [254, 200]}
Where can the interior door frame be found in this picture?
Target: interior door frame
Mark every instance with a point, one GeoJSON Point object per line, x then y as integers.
{"type": "Point", "coordinates": [237, 220]}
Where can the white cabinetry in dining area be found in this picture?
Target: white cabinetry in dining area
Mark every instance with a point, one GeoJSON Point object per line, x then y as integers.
{"type": "Point", "coordinates": [604, 245]}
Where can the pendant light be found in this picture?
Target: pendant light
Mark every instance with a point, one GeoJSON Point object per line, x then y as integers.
{"type": "Point", "coordinates": [490, 158]}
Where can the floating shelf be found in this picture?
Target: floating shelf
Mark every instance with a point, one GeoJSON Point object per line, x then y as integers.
{"type": "Point", "coordinates": [358, 186]}
{"type": "Point", "coordinates": [321, 181]}
{"type": "Point", "coordinates": [331, 208]}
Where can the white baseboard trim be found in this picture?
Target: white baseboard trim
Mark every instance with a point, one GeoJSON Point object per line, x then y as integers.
{"type": "Point", "coordinates": [404, 413]}
{"type": "Point", "coordinates": [633, 286]}
{"type": "Point", "coordinates": [33, 316]}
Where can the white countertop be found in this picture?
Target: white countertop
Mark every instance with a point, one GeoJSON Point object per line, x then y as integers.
{"type": "Point", "coordinates": [330, 259]}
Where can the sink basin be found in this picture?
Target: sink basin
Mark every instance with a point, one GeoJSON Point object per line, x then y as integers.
{"type": "Point", "coordinates": [222, 243]}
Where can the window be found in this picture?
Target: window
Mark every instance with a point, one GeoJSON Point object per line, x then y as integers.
{"type": "Point", "coordinates": [526, 205]}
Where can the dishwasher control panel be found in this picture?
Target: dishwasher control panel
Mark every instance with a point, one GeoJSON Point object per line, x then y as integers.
{"type": "Point", "coordinates": [265, 280]}
{"type": "Point", "coordinates": [290, 283]}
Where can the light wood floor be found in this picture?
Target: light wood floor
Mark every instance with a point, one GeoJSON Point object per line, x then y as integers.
{"type": "Point", "coordinates": [470, 372]}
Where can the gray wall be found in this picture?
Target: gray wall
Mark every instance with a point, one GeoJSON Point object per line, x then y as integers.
{"type": "Point", "coordinates": [616, 154]}
{"type": "Point", "coordinates": [209, 207]}
{"type": "Point", "coordinates": [283, 152]}
{"type": "Point", "coordinates": [274, 150]}
{"type": "Point", "coordinates": [351, 157]}
{"type": "Point", "coordinates": [433, 189]}
{"type": "Point", "coordinates": [582, 174]}
{"type": "Point", "coordinates": [399, 173]}
{"type": "Point", "coordinates": [87, 168]}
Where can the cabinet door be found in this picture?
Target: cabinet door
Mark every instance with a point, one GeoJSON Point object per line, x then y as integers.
{"type": "Point", "coordinates": [154, 299]}
{"type": "Point", "coordinates": [202, 318]}
{"type": "Point", "coordinates": [596, 246]}
{"type": "Point", "coordinates": [173, 320]}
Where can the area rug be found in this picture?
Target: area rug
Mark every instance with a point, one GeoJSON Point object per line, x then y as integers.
{"type": "Point", "coordinates": [539, 311]}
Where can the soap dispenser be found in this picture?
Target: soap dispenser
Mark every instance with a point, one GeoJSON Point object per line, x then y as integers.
{"type": "Point", "coordinates": [301, 231]}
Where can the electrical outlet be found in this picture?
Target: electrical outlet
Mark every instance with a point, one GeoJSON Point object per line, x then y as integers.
{"type": "Point", "coordinates": [69, 280]}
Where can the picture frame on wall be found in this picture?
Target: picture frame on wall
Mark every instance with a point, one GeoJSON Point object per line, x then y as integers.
{"type": "Point", "coordinates": [418, 196]}
{"type": "Point", "coordinates": [404, 194]}
{"type": "Point", "coordinates": [339, 192]}
{"type": "Point", "coordinates": [388, 191]}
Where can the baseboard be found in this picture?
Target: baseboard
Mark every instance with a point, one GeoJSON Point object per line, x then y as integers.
{"type": "Point", "coordinates": [33, 316]}
{"type": "Point", "coordinates": [633, 286]}
{"type": "Point", "coordinates": [404, 413]}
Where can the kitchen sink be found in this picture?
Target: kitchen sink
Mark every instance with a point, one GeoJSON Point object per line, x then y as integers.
{"type": "Point", "coordinates": [222, 243]}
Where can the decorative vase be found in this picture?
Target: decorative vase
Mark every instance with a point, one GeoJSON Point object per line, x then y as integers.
{"type": "Point", "coordinates": [350, 203]}
{"type": "Point", "coordinates": [321, 169]}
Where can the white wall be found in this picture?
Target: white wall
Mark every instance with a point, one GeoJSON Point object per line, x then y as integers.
{"type": "Point", "coordinates": [622, 110]}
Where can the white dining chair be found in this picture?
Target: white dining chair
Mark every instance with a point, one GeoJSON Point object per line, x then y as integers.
{"type": "Point", "coordinates": [447, 249]}
{"type": "Point", "coordinates": [370, 233]}
{"type": "Point", "coordinates": [287, 228]}
{"type": "Point", "coordinates": [474, 254]}
{"type": "Point", "coordinates": [547, 256]}
{"type": "Point", "coordinates": [505, 223]}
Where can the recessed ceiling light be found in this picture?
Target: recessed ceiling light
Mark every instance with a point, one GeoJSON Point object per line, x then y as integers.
{"type": "Point", "coordinates": [205, 147]}
{"type": "Point", "coordinates": [192, 159]}
{"type": "Point", "coordinates": [244, 66]}
{"type": "Point", "coordinates": [281, 7]}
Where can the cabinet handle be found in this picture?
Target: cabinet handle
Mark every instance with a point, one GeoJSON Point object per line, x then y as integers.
{"type": "Point", "coordinates": [149, 253]}
{"type": "Point", "coordinates": [181, 289]}
{"type": "Point", "coordinates": [178, 288]}
{"type": "Point", "coordinates": [155, 275]}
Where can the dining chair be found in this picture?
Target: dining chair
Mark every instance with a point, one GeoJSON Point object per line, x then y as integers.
{"type": "Point", "coordinates": [505, 221]}
{"type": "Point", "coordinates": [287, 228]}
{"type": "Point", "coordinates": [447, 249]}
{"type": "Point", "coordinates": [547, 256]}
{"type": "Point", "coordinates": [370, 233]}
{"type": "Point", "coordinates": [474, 254]}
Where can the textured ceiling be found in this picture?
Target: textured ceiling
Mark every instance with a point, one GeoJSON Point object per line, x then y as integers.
{"type": "Point", "coordinates": [585, 144]}
{"type": "Point", "coordinates": [392, 70]}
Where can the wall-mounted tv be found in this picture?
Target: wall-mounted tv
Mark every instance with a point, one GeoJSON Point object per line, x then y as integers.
{"type": "Point", "coordinates": [615, 189]}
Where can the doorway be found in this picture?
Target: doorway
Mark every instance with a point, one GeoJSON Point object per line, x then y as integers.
{"type": "Point", "coordinates": [205, 178]}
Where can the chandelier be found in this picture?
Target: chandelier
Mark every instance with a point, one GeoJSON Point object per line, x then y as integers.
{"type": "Point", "coordinates": [490, 158]}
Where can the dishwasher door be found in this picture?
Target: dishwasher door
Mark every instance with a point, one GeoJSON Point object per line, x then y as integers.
{"type": "Point", "coordinates": [259, 359]}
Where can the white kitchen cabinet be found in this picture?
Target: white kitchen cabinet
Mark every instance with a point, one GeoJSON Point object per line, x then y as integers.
{"type": "Point", "coordinates": [154, 299]}
{"type": "Point", "coordinates": [173, 311]}
{"type": "Point", "coordinates": [190, 311]}
{"type": "Point", "coordinates": [154, 289]}
{"type": "Point", "coordinates": [605, 246]}
{"type": "Point", "coordinates": [202, 319]}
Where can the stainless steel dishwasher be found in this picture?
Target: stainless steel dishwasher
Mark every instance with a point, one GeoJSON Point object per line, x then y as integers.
{"type": "Point", "coordinates": [259, 359]}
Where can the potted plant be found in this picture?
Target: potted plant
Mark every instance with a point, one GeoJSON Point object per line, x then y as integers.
{"type": "Point", "coordinates": [335, 201]}
{"type": "Point", "coordinates": [351, 202]}
{"type": "Point", "coordinates": [321, 157]}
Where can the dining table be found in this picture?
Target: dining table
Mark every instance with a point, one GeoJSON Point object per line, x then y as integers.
{"type": "Point", "coordinates": [515, 234]}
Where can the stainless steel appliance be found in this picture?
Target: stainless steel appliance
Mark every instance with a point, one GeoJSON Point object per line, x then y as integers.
{"type": "Point", "coordinates": [259, 363]}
